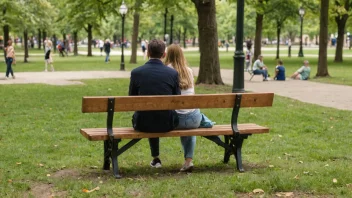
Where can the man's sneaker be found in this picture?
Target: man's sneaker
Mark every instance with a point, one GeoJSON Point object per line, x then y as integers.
{"type": "Point", "coordinates": [13, 77]}
{"type": "Point", "coordinates": [186, 168]}
{"type": "Point", "coordinates": [6, 78]}
{"type": "Point", "coordinates": [155, 163]}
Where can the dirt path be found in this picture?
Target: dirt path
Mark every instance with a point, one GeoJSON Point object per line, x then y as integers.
{"type": "Point", "coordinates": [336, 96]}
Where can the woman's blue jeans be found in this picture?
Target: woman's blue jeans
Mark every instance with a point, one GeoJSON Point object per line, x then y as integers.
{"type": "Point", "coordinates": [189, 121]}
{"type": "Point", "coordinates": [9, 66]}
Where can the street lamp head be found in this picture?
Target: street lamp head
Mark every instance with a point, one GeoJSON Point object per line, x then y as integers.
{"type": "Point", "coordinates": [123, 8]}
{"type": "Point", "coordinates": [301, 11]}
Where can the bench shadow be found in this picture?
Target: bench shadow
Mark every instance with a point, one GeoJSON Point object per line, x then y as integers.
{"type": "Point", "coordinates": [146, 172]}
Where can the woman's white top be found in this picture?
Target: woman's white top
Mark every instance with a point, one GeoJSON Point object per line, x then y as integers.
{"type": "Point", "coordinates": [189, 91]}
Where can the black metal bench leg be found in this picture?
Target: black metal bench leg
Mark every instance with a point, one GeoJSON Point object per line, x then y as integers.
{"type": "Point", "coordinates": [227, 153]}
{"type": "Point", "coordinates": [106, 165]}
{"type": "Point", "coordinates": [237, 152]}
{"type": "Point", "coordinates": [115, 165]}
{"type": "Point", "coordinates": [251, 77]}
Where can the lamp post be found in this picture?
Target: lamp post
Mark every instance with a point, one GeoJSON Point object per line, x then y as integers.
{"type": "Point", "coordinates": [238, 74]}
{"type": "Point", "coordinates": [301, 13]}
{"type": "Point", "coordinates": [123, 11]}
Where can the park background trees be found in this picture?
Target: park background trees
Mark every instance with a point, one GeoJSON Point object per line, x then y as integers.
{"type": "Point", "coordinates": [207, 22]}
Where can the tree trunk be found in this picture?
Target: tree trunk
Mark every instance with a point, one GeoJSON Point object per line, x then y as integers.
{"type": "Point", "coordinates": [44, 35]}
{"type": "Point", "coordinates": [6, 34]}
{"type": "Point", "coordinates": [25, 41]}
{"type": "Point", "coordinates": [75, 49]}
{"type": "Point", "coordinates": [194, 42]}
{"type": "Point", "coordinates": [90, 37]}
{"type": "Point", "coordinates": [209, 69]}
{"type": "Point", "coordinates": [184, 38]}
{"type": "Point", "coordinates": [258, 35]}
{"type": "Point", "coordinates": [115, 39]}
{"type": "Point", "coordinates": [63, 36]}
{"type": "Point", "coordinates": [341, 24]}
{"type": "Point", "coordinates": [39, 41]}
{"type": "Point", "coordinates": [54, 44]}
{"type": "Point", "coordinates": [6, 37]}
{"type": "Point", "coordinates": [323, 40]}
{"type": "Point", "coordinates": [278, 32]}
{"type": "Point", "coordinates": [135, 37]}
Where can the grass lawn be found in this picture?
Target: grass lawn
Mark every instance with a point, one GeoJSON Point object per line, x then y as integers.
{"type": "Point", "coordinates": [42, 150]}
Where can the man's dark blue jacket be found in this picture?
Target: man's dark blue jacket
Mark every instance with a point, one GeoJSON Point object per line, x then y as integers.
{"type": "Point", "coordinates": [154, 78]}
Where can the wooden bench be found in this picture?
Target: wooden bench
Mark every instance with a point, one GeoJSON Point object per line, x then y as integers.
{"type": "Point", "coordinates": [234, 133]}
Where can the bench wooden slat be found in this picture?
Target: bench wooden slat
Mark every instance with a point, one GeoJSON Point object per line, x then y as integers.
{"type": "Point", "coordinates": [145, 103]}
{"type": "Point", "coordinates": [96, 134]}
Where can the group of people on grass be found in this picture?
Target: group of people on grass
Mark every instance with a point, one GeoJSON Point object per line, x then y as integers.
{"type": "Point", "coordinates": [259, 68]}
{"type": "Point", "coordinates": [166, 73]}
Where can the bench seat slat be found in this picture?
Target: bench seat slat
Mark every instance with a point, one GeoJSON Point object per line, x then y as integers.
{"type": "Point", "coordinates": [99, 134]}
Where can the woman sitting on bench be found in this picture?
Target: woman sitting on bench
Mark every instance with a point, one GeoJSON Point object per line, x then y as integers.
{"type": "Point", "coordinates": [188, 118]}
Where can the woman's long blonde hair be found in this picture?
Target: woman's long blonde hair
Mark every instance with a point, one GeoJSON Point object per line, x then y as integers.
{"type": "Point", "coordinates": [175, 58]}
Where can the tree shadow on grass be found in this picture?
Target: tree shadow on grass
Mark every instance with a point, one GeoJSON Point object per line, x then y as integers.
{"type": "Point", "coordinates": [146, 172]}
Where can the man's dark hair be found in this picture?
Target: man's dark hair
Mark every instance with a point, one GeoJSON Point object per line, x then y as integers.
{"type": "Point", "coordinates": [156, 48]}
{"type": "Point", "coordinates": [280, 62]}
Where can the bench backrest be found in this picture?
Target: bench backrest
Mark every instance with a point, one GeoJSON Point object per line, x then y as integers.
{"type": "Point", "coordinates": [146, 103]}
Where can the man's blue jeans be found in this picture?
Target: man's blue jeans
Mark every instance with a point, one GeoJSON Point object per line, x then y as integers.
{"type": "Point", "coordinates": [189, 121]}
{"type": "Point", "coordinates": [263, 72]}
{"type": "Point", "coordinates": [107, 57]}
{"type": "Point", "coordinates": [9, 66]}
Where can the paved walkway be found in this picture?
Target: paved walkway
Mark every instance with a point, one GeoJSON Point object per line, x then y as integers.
{"type": "Point", "coordinates": [329, 95]}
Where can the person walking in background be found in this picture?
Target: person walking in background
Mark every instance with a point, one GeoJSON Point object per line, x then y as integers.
{"type": "Point", "coordinates": [248, 58]}
{"type": "Point", "coordinates": [188, 118]}
{"type": "Point", "coordinates": [107, 48]}
{"type": "Point", "coordinates": [280, 71]}
{"type": "Point", "coordinates": [10, 59]}
{"type": "Point", "coordinates": [144, 48]}
{"type": "Point", "coordinates": [48, 57]}
{"type": "Point", "coordinates": [101, 46]}
{"type": "Point", "coordinates": [302, 73]}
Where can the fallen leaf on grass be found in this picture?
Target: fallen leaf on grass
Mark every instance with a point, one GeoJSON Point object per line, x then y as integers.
{"type": "Point", "coordinates": [301, 162]}
{"type": "Point", "coordinates": [18, 163]}
{"type": "Point", "coordinates": [280, 136]}
{"type": "Point", "coordinates": [306, 172]}
{"type": "Point", "coordinates": [10, 180]}
{"type": "Point", "coordinates": [48, 175]}
{"type": "Point", "coordinates": [258, 190]}
{"type": "Point", "coordinates": [332, 127]}
{"type": "Point", "coordinates": [287, 154]}
{"type": "Point", "coordinates": [94, 167]}
{"type": "Point", "coordinates": [41, 165]}
{"type": "Point", "coordinates": [349, 185]}
{"type": "Point", "coordinates": [296, 177]}
{"type": "Point", "coordinates": [284, 194]}
{"type": "Point", "coordinates": [100, 182]}
{"type": "Point", "coordinates": [89, 191]}
{"type": "Point", "coordinates": [326, 165]}
{"type": "Point", "coordinates": [271, 166]}
{"type": "Point", "coordinates": [334, 180]}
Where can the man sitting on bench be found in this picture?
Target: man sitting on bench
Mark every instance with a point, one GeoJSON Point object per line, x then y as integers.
{"type": "Point", "coordinates": [260, 68]}
{"type": "Point", "coordinates": [154, 78]}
